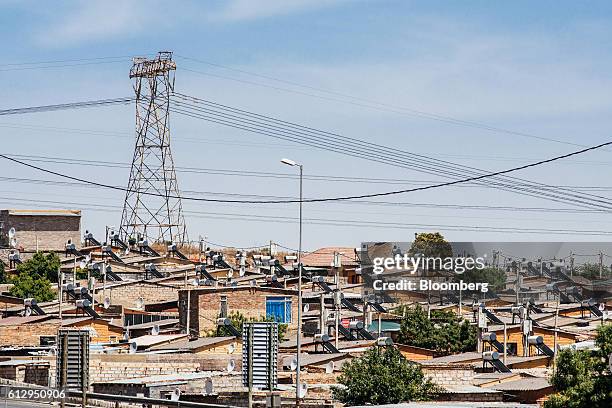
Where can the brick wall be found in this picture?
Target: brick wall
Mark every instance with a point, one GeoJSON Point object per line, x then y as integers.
{"type": "Point", "coordinates": [205, 305]}
{"type": "Point", "coordinates": [128, 294]}
{"type": "Point", "coordinates": [108, 367]}
{"type": "Point", "coordinates": [26, 334]}
{"type": "Point", "coordinates": [50, 231]}
{"type": "Point", "coordinates": [446, 374]}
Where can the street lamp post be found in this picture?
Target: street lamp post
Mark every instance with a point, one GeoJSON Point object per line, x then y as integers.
{"type": "Point", "coordinates": [299, 316]}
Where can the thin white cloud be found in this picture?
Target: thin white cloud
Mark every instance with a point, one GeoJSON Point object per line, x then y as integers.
{"type": "Point", "coordinates": [92, 21]}
{"type": "Point", "coordinates": [241, 10]}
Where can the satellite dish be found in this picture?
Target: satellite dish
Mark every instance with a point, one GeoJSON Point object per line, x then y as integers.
{"type": "Point", "coordinates": [155, 330]}
{"type": "Point", "coordinates": [230, 273]}
{"type": "Point", "coordinates": [140, 303]}
{"type": "Point", "coordinates": [133, 347]}
{"type": "Point", "coordinates": [106, 302]}
{"type": "Point", "coordinates": [230, 366]}
{"type": "Point", "coordinates": [126, 336]}
{"type": "Point", "coordinates": [13, 243]}
{"type": "Point", "coordinates": [87, 258]}
{"type": "Point", "coordinates": [231, 348]}
{"type": "Point", "coordinates": [11, 233]}
{"type": "Point", "coordinates": [293, 364]}
{"type": "Point", "coordinates": [329, 367]}
{"type": "Point", "coordinates": [127, 251]}
{"type": "Point", "coordinates": [176, 394]}
{"type": "Point", "coordinates": [28, 311]}
{"type": "Point", "coordinates": [306, 308]}
{"type": "Point", "coordinates": [303, 390]}
{"type": "Point", "coordinates": [242, 271]}
{"type": "Point", "coordinates": [195, 282]}
{"type": "Point", "coordinates": [82, 264]}
{"type": "Point", "coordinates": [208, 387]}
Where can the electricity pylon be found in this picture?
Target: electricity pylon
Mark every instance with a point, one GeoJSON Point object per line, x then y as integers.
{"type": "Point", "coordinates": [152, 208]}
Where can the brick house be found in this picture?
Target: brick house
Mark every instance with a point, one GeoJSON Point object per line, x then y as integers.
{"type": "Point", "coordinates": [128, 293]}
{"type": "Point", "coordinates": [205, 305]}
{"type": "Point", "coordinates": [42, 230]}
{"type": "Point", "coordinates": [33, 331]}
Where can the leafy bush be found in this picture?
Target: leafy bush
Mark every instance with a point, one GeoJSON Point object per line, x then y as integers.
{"type": "Point", "coordinates": [445, 332]}
{"type": "Point", "coordinates": [26, 286]}
{"type": "Point", "coordinates": [383, 376]}
{"type": "Point", "coordinates": [238, 319]}
{"type": "Point", "coordinates": [41, 265]}
{"type": "Point", "coordinates": [582, 378]}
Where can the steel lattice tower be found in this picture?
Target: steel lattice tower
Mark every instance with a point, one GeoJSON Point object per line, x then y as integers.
{"type": "Point", "coordinates": [152, 207]}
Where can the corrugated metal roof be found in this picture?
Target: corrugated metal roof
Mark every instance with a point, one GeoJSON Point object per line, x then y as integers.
{"type": "Point", "coordinates": [19, 320]}
{"type": "Point", "coordinates": [524, 384]}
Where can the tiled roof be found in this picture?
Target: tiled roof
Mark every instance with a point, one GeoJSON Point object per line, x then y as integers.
{"type": "Point", "coordinates": [323, 257]}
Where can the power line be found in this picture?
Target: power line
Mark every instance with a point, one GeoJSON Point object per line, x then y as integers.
{"type": "Point", "coordinates": [361, 202]}
{"type": "Point", "coordinates": [432, 165]}
{"type": "Point", "coordinates": [340, 223]}
{"type": "Point", "coordinates": [350, 197]}
{"type": "Point", "coordinates": [274, 175]}
{"type": "Point", "coordinates": [369, 151]}
{"type": "Point", "coordinates": [366, 103]}
{"type": "Point", "coordinates": [65, 106]}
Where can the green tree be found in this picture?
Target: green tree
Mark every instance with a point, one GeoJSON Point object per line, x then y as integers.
{"type": "Point", "coordinates": [238, 319]}
{"type": "Point", "coordinates": [383, 376]}
{"type": "Point", "coordinates": [591, 270]}
{"type": "Point", "coordinates": [2, 273]}
{"type": "Point", "coordinates": [41, 265]}
{"type": "Point", "coordinates": [444, 332]}
{"type": "Point", "coordinates": [496, 278]}
{"type": "Point", "coordinates": [37, 287]}
{"type": "Point", "coordinates": [431, 244]}
{"type": "Point", "coordinates": [582, 378]}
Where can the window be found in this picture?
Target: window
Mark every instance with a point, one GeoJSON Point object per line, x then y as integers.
{"type": "Point", "coordinates": [512, 349]}
{"type": "Point", "coordinates": [223, 311]}
{"type": "Point", "coordinates": [279, 309]}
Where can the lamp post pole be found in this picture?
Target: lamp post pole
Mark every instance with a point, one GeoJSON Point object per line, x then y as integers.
{"type": "Point", "coordinates": [299, 312]}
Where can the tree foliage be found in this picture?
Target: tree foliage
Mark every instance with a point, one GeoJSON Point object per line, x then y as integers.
{"type": "Point", "coordinates": [383, 376]}
{"type": "Point", "coordinates": [238, 319]}
{"type": "Point", "coordinates": [445, 332]}
{"type": "Point", "coordinates": [2, 273]}
{"type": "Point", "coordinates": [430, 244]}
{"type": "Point", "coordinates": [41, 265]}
{"type": "Point", "coordinates": [591, 271]}
{"type": "Point", "coordinates": [32, 286]}
{"type": "Point", "coordinates": [582, 378]}
{"type": "Point", "coordinates": [496, 278]}
{"type": "Point", "coordinates": [35, 276]}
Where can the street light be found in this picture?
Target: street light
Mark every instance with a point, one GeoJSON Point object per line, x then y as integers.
{"type": "Point", "coordinates": [299, 316]}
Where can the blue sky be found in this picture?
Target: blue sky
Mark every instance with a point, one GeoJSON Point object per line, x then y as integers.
{"type": "Point", "coordinates": [541, 68]}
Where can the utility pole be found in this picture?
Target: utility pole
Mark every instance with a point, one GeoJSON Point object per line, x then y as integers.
{"type": "Point", "coordinates": [60, 285]}
{"type": "Point", "coordinates": [600, 264]}
{"type": "Point", "coordinates": [571, 264]}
